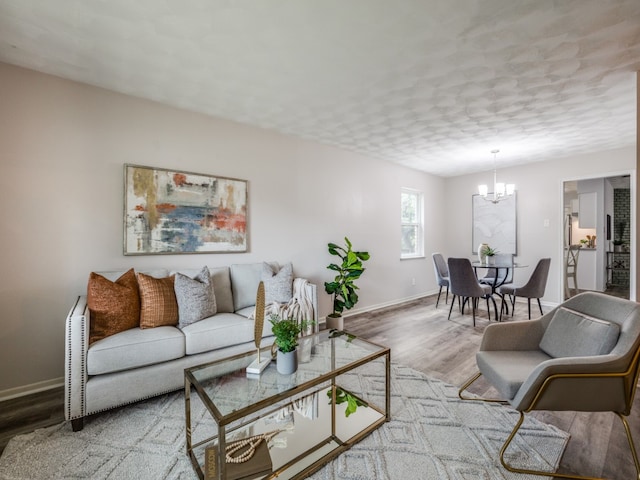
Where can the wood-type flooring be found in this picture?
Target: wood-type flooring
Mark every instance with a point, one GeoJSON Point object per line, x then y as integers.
{"type": "Point", "coordinates": [421, 337]}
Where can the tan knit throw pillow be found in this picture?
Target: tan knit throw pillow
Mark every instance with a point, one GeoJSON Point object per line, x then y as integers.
{"type": "Point", "coordinates": [158, 304]}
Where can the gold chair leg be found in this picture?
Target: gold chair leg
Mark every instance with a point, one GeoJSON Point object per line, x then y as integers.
{"type": "Point", "coordinates": [533, 472]}
{"type": "Point", "coordinates": [513, 433]}
{"type": "Point", "coordinates": [631, 444]}
{"type": "Point", "coordinates": [468, 383]}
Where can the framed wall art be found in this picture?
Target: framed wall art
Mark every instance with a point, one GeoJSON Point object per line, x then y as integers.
{"type": "Point", "coordinates": [494, 224]}
{"type": "Point", "coordinates": [170, 212]}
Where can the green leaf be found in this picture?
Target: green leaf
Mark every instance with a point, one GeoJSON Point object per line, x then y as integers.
{"type": "Point", "coordinates": [343, 288]}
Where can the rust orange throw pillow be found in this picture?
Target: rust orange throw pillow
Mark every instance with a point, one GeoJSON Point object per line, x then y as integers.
{"type": "Point", "coordinates": [114, 306]}
{"type": "Point", "coordinates": [158, 304]}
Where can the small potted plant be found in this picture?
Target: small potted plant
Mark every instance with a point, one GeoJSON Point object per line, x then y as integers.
{"type": "Point", "coordinates": [618, 242]}
{"type": "Point", "coordinates": [286, 332]}
{"type": "Point", "coordinates": [343, 287]}
{"type": "Point", "coordinates": [490, 253]}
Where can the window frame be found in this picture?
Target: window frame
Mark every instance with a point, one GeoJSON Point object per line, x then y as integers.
{"type": "Point", "coordinates": [418, 224]}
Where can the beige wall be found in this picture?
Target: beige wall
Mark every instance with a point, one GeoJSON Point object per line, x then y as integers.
{"type": "Point", "coordinates": [62, 148]}
{"type": "Point", "coordinates": [539, 198]}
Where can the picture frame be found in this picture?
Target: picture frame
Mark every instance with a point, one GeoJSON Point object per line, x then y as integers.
{"type": "Point", "coordinates": [175, 212]}
{"type": "Point", "coordinates": [494, 224]}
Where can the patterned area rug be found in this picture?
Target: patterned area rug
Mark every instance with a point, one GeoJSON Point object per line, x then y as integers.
{"type": "Point", "coordinates": [432, 435]}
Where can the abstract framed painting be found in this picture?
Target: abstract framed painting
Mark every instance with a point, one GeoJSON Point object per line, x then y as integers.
{"type": "Point", "coordinates": [494, 224]}
{"type": "Point", "coordinates": [172, 212]}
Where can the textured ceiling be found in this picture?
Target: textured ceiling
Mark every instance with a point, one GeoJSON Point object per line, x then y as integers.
{"type": "Point", "coordinates": [430, 84]}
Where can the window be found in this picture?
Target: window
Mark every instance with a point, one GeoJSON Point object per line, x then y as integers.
{"type": "Point", "coordinates": [412, 223]}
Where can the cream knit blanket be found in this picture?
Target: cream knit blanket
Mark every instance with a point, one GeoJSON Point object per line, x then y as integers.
{"type": "Point", "coordinates": [300, 307]}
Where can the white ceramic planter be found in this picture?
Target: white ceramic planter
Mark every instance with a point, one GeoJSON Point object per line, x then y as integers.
{"type": "Point", "coordinates": [335, 323]}
{"type": "Point", "coordinates": [287, 363]}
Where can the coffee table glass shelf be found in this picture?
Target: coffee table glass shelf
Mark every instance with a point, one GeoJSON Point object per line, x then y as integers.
{"type": "Point", "coordinates": [312, 429]}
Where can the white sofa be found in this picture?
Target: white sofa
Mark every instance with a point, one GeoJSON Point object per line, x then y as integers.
{"type": "Point", "coordinates": [140, 363]}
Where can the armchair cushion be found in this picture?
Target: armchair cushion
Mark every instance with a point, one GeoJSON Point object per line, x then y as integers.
{"type": "Point", "coordinates": [572, 334]}
{"type": "Point", "coordinates": [508, 370]}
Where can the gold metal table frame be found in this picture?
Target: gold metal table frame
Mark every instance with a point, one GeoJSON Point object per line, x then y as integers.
{"type": "Point", "coordinates": [238, 402]}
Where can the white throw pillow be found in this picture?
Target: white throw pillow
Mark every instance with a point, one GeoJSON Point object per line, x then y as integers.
{"type": "Point", "coordinates": [278, 286]}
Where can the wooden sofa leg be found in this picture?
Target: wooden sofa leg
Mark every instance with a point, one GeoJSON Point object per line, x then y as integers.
{"type": "Point", "coordinates": [77, 424]}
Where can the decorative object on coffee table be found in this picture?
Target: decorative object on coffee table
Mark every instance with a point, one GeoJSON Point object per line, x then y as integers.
{"type": "Point", "coordinates": [246, 458]}
{"type": "Point", "coordinates": [286, 332]}
{"type": "Point", "coordinates": [343, 287]}
{"type": "Point", "coordinates": [258, 365]}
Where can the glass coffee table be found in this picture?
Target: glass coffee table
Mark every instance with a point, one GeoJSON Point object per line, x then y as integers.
{"type": "Point", "coordinates": [309, 428]}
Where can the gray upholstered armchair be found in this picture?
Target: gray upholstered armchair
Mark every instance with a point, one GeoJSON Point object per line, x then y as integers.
{"type": "Point", "coordinates": [581, 356]}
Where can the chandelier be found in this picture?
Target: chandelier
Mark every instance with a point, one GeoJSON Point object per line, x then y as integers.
{"type": "Point", "coordinates": [500, 190]}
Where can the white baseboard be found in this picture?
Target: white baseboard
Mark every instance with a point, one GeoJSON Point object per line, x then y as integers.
{"type": "Point", "coordinates": [31, 388]}
{"type": "Point", "coordinates": [378, 306]}
{"type": "Point", "coordinates": [371, 308]}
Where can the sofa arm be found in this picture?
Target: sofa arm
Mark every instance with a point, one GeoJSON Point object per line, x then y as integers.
{"type": "Point", "coordinates": [75, 366]}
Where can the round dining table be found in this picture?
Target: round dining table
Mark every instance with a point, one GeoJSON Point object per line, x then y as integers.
{"type": "Point", "coordinates": [497, 267]}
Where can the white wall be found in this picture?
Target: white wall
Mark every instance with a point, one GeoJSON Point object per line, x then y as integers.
{"type": "Point", "coordinates": [539, 198]}
{"type": "Point", "coordinates": [62, 150]}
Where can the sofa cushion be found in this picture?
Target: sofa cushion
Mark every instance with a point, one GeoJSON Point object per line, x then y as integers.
{"type": "Point", "coordinates": [247, 312]}
{"type": "Point", "coordinates": [195, 297]}
{"type": "Point", "coordinates": [244, 283]}
{"type": "Point", "coordinates": [221, 330]}
{"type": "Point", "coordinates": [158, 304]}
{"type": "Point", "coordinates": [222, 289]}
{"type": "Point", "coordinates": [572, 334]}
{"type": "Point", "coordinates": [135, 348]}
{"type": "Point", "coordinates": [114, 306]}
{"type": "Point", "coordinates": [278, 284]}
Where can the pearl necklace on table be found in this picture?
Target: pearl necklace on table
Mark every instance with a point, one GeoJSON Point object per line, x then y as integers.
{"type": "Point", "coordinates": [254, 441]}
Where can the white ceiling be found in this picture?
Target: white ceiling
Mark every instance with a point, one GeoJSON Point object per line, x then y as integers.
{"type": "Point", "coordinates": [430, 84]}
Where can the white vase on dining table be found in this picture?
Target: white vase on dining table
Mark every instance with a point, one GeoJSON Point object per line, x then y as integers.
{"type": "Point", "coordinates": [482, 257]}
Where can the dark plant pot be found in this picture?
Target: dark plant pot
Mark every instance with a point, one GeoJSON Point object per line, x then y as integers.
{"type": "Point", "coordinates": [618, 248]}
{"type": "Point", "coordinates": [335, 322]}
{"type": "Point", "coordinates": [287, 363]}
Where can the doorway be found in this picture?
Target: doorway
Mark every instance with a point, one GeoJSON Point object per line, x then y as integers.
{"type": "Point", "coordinates": [598, 236]}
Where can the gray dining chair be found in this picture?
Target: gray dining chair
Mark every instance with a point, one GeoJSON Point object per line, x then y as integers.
{"type": "Point", "coordinates": [464, 284]}
{"type": "Point", "coordinates": [442, 275]}
{"type": "Point", "coordinates": [534, 288]}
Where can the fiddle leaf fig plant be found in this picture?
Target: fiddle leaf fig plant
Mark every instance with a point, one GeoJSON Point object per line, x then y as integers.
{"type": "Point", "coordinates": [350, 269]}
